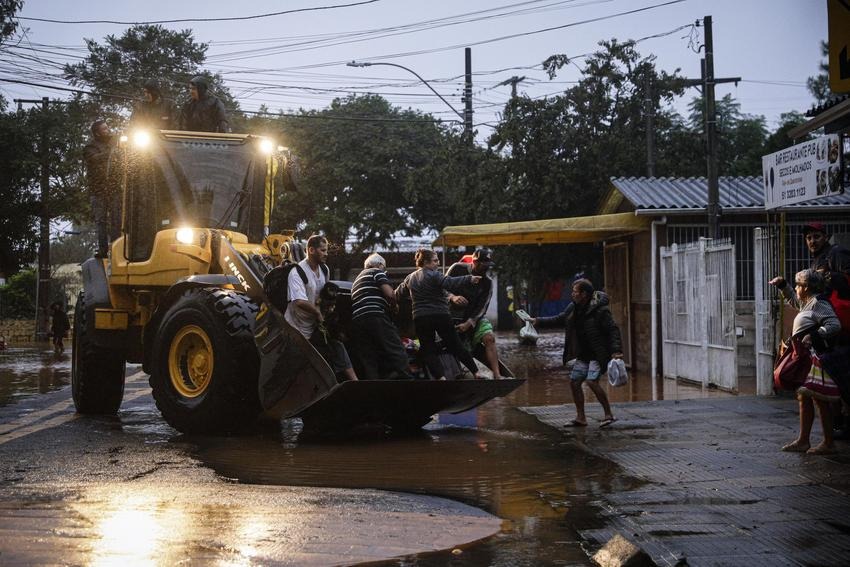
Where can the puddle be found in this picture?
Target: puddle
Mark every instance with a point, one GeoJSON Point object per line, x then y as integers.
{"type": "Point", "coordinates": [495, 458]}
{"type": "Point", "coordinates": [30, 369]}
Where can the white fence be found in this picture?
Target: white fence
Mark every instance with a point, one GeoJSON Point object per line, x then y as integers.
{"type": "Point", "coordinates": [698, 312]}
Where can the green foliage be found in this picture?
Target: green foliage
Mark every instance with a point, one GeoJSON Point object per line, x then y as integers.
{"type": "Point", "coordinates": [116, 70]}
{"type": "Point", "coordinates": [368, 169]}
{"type": "Point", "coordinates": [21, 137]}
{"type": "Point", "coordinates": [73, 248]}
{"type": "Point", "coordinates": [17, 297]}
{"type": "Point", "coordinates": [8, 23]}
{"type": "Point", "coordinates": [562, 151]}
{"type": "Point", "coordinates": [18, 178]}
{"type": "Point", "coordinates": [819, 84]}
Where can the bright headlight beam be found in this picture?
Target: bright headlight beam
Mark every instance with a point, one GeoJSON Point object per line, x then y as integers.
{"type": "Point", "coordinates": [141, 139]}
{"type": "Point", "coordinates": [266, 146]}
{"type": "Point", "coordinates": [185, 235]}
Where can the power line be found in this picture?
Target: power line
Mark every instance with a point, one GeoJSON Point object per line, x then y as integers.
{"type": "Point", "coordinates": [231, 19]}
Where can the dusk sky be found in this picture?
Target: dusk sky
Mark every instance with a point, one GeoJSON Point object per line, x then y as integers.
{"type": "Point", "coordinates": [298, 60]}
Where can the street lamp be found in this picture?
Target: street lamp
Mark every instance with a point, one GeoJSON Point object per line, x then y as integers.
{"type": "Point", "coordinates": [424, 82]}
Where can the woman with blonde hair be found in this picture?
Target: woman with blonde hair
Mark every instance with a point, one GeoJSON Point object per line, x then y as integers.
{"type": "Point", "coordinates": [427, 288]}
{"type": "Point", "coordinates": [814, 324]}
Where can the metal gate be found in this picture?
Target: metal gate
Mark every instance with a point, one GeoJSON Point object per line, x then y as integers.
{"type": "Point", "coordinates": [617, 270]}
{"type": "Point", "coordinates": [698, 313]}
{"type": "Point", "coordinates": [766, 256]}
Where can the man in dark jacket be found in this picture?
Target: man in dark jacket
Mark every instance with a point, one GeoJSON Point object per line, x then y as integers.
{"type": "Point", "coordinates": [205, 112]}
{"type": "Point", "coordinates": [826, 257]}
{"type": "Point", "coordinates": [103, 185]}
{"type": "Point", "coordinates": [154, 112]}
{"type": "Point", "coordinates": [593, 339]}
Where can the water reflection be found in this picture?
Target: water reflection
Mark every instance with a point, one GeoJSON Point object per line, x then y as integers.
{"type": "Point", "coordinates": [30, 369]}
{"type": "Point", "coordinates": [496, 458]}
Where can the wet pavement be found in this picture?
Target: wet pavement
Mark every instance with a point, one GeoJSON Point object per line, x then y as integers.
{"type": "Point", "coordinates": [491, 487]}
{"type": "Point", "coordinates": [718, 491]}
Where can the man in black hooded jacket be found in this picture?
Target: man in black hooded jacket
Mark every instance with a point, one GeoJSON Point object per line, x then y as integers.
{"type": "Point", "coordinates": [154, 111]}
{"type": "Point", "coordinates": [205, 112]}
{"type": "Point", "coordinates": [592, 338]}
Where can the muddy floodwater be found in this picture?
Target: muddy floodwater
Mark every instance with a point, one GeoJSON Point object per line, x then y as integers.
{"type": "Point", "coordinates": [539, 480]}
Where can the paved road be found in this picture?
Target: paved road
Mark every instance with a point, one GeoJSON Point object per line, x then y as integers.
{"type": "Point", "coordinates": [84, 491]}
{"type": "Point", "coordinates": [718, 491]}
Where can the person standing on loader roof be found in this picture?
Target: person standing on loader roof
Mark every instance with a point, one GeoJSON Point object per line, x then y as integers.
{"type": "Point", "coordinates": [205, 112]}
{"type": "Point", "coordinates": [376, 342]}
{"type": "Point", "coordinates": [303, 313]}
{"type": "Point", "coordinates": [469, 306]}
{"type": "Point", "coordinates": [103, 185]}
{"type": "Point", "coordinates": [154, 111]}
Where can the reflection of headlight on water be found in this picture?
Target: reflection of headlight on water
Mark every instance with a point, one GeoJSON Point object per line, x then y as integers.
{"type": "Point", "coordinates": [185, 236]}
{"type": "Point", "coordinates": [266, 146]}
{"type": "Point", "coordinates": [141, 139]}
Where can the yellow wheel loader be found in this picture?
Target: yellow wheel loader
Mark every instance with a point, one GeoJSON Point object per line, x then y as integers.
{"type": "Point", "coordinates": [181, 292]}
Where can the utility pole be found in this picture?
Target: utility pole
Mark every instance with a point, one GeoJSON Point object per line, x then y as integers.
{"type": "Point", "coordinates": [42, 289]}
{"type": "Point", "coordinates": [467, 97]}
{"type": "Point", "coordinates": [707, 82]}
{"type": "Point", "coordinates": [713, 208]}
{"type": "Point", "coordinates": [650, 127]}
{"type": "Point", "coordinates": [513, 81]}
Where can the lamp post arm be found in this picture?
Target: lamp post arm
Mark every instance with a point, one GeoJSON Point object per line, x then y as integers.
{"type": "Point", "coordinates": [409, 70]}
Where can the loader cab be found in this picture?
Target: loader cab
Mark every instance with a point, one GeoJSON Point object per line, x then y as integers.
{"type": "Point", "coordinates": [175, 179]}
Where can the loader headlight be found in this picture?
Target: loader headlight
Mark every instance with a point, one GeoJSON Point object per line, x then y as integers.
{"type": "Point", "coordinates": [185, 235]}
{"type": "Point", "coordinates": [266, 146]}
{"type": "Point", "coordinates": [141, 139]}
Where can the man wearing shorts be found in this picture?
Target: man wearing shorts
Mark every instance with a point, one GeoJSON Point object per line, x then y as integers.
{"type": "Point", "coordinates": [469, 306]}
{"type": "Point", "coordinates": [593, 339]}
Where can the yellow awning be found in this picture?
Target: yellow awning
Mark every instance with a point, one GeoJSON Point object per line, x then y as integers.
{"type": "Point", "coordinates": [547, 231]}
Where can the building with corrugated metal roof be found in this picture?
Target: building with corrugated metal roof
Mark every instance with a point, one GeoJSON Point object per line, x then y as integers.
{"type": "Point", "coordinates": [678, 209]}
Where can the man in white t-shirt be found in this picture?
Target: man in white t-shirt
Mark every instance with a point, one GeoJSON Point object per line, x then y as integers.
{"type": "Point", "coordinates": [302, 311]}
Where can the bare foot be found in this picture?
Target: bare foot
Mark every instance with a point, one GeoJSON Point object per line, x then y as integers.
{"type": "Point", "coordinates": [822, 449]}
{"type": "Point", "coordinates": [796, 447]}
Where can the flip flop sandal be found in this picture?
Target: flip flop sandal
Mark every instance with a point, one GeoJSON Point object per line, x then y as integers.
{"type": "Point", "coordinates": [575, 423]}
{"type": "Point", "coordinates": [607, 422]}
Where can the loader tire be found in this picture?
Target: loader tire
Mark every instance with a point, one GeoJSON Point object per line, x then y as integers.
{"type": "Point", "coordinates": [97, 373]}
{"type": "Point", "coordinates": [205, 365]}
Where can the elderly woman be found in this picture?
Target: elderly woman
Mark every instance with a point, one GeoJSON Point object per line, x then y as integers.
{"type": "Point", "coordinates": [427, 288]}
{"type": "Point", "coordinates": [814, 324]}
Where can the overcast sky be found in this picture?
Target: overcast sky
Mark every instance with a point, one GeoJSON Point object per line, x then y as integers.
{"type": "Point", "coordinates": [298, 60]}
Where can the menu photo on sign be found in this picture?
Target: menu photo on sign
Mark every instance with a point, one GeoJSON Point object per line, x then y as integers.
{"type": "Point", "coordinates": [803, 172]}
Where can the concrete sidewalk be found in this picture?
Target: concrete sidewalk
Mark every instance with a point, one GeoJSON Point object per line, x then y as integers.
{"type": "Point", "coordinates": [718, 489]}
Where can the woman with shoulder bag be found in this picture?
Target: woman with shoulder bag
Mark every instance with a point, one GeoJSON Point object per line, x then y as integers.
{"type": "Point", "coordinates": [814, 324]}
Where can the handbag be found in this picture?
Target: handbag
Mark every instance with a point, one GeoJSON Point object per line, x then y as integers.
{"type": "Point", "coordinates": [793, 366]}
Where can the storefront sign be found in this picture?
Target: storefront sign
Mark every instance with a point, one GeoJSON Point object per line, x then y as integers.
{"type": "Point", "coordinates": [803, 172]}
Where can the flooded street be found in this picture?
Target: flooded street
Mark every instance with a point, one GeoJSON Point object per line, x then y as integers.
{"type": "Point", "coordinates": [496, 458]}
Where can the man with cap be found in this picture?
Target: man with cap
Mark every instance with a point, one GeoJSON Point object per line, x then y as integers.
{"type": "Point", "coordinates": [204, 112]}
{"type": "Point", "coordinates": [154, 111]}
{"type": "Point", "coordinates": [469, 306]}
{"type": "Point", "coordinates": [826, 257]}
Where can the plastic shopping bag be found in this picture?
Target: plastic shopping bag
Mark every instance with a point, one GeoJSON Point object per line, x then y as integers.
{"type": "Point", "coordinates": [617, 375]}
{"type": "Point", "coordinates": [528, 334]}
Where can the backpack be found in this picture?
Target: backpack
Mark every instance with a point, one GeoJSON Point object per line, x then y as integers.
{"type": "Point", "coordinates": [276, 282]}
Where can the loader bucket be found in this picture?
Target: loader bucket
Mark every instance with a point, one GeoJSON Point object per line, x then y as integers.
{"type": "Point", "coordinates": [295, 381]}
{"type": "Point", "coordinates": [399, 404]}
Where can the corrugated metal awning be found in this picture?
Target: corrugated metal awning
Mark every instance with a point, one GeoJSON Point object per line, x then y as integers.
{"type": "Point", "coordinates": [546, 231]}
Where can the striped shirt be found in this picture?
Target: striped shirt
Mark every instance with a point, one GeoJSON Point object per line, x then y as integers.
{"type": "Point", "coordinates": [367, 298]}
